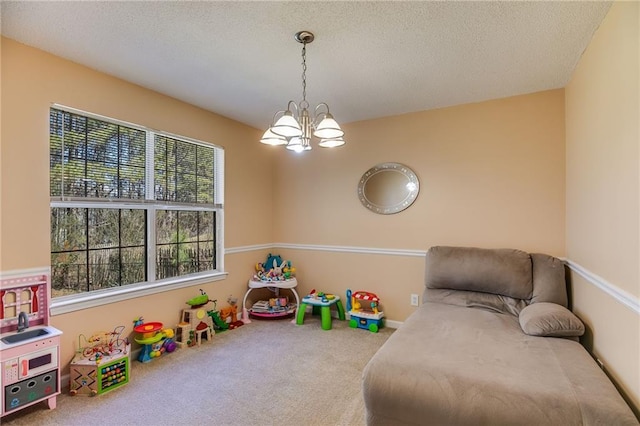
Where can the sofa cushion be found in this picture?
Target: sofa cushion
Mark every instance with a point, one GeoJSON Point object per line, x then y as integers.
{"type": "Point", "coordinates": [506, 272]}
{"type": "Point", "coordinates": [549, 284]}
{"type": "Point", "coordinates": [473, 299]}
{"type": "Point", "coordinates": [550, 319]}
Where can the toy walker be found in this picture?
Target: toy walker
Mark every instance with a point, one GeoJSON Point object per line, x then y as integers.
{"type": "Point", "coordinates": [358, 305]}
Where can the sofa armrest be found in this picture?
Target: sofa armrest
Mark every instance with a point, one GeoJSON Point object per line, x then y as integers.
{"type": "Point", "coordinates": [551, 320]}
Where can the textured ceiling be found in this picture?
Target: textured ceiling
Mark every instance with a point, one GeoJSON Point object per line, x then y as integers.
{"type": "Point", "coordinates": [369, 59]}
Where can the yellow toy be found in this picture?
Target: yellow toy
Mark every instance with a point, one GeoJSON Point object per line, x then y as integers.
{"type": "Point", "coordinates": [368, 319]}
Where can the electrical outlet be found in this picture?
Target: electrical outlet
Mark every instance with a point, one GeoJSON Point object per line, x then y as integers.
{"type": "Point", "coordinates": [414, 300]}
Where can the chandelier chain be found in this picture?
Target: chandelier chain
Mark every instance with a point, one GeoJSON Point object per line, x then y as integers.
{"type": "Point", "coordinates": [304, 72]}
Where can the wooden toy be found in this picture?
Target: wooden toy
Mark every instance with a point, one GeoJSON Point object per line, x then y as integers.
{"type": "Point", "coordinates": [101, 363]}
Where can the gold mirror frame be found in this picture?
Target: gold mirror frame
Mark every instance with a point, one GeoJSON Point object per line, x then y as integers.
{"type": "Point", "coordinates": [388, 188]}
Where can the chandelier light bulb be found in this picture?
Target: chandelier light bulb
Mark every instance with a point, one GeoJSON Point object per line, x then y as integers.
{"type": "Point", "coordinates": [270, 138]}
{"type": "Point", "coordinates": [331, 143]}
{"type": "Point", "coordinates": [295, 145]}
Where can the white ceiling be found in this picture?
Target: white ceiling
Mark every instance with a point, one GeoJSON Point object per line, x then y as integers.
{"type": "Point", "coordinates": [369, 59]}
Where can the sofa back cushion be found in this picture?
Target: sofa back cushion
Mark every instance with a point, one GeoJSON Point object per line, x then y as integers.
{"type": "Point", "coordinates": [549, 283]}
{"type": "Point", "coordinates": [506, 272]}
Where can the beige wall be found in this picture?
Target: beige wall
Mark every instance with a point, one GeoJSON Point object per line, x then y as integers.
{"type": "Point", "coordinates": [603, 187]}
{"type": "Point", "coordinates": [491, 175]}
{"type": "Point", "coordinates": [31, 81]}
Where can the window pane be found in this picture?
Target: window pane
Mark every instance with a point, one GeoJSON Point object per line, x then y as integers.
{"type": "Point", "coordinates": [205, 190]}
{"type": "Point", "coordinates": [104, 228]}
{"type": "Point", "coordinates": [95, 158]}
{"type": "Point", "coordinates": [134, 227]}
{"type": "Point", "coordinates": [68, 273]}
{"type": "Point", "coordinates": [133, 265]}
{"type": "Point", "coordinates": [205, 161]}
{"type": "Point", "coordinates": [166, 261]}
{"type": "Point", "coordinates": [207, 255]}
{"type": "Point", "coordinates": [183, 171]}
{"type": "Point", "coordinates": [104, 269]}
{"type": "Point", "coordinates": [205, 175]}
{"type": "Point", "coordinates": [185, 242]}
{"type": "Point", "coordinates": [185, 157]}
{"type": "Point", "coordinates": [68, 229]}
{"type": "Point", "coordinates": [102, 142]}
{"type": "Point", "coordinates": [207, 226]}
{"type": "Point", "coordinates": [166, 226]}
{"type": "Point", "coordinates": [187, 226]}
{"type": "Point", "coordinates": [132, 163]}
{"type": "Point", "coordinates": [172, 183]}
{"type": "Point", "coordinates": [161, 156]}
{"type": "Point", "coordinates": [187, 258]}
{"type": "Point", "coordinates": [185, 188]}
{"type": "Point", "coordinates": [132, 184]}
{"type": "Point", "coordinates": [55, 152]}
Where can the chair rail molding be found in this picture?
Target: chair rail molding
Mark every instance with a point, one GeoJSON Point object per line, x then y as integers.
{"type": "Point", "coordinates": [335, 249]}
{"type": "Point", "coordinates": [627, 299]}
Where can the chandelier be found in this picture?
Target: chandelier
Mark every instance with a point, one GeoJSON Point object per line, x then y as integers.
{"type": "Point", "coordinates": [294, 127]}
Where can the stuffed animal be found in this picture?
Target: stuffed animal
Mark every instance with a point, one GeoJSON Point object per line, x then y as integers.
{"type": "Point", "coordinates": [276, 271]}
{"type": "Point", "coordinates": [231, 311]}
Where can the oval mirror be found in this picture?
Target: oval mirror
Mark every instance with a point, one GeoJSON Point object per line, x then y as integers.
{"type": "Point", "coordinates": [388, 188]}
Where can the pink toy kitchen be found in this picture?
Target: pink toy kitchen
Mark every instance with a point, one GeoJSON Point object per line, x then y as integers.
{"type": "Point", "coordinates": [29, 346]}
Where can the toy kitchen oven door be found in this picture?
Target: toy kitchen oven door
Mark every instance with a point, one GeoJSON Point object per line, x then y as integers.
{"type": "Point", "coordinates": [29, 358]}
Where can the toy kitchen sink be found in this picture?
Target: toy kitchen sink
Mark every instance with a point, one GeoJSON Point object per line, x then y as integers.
{"type": "Point", "coordinates": [29, 358]}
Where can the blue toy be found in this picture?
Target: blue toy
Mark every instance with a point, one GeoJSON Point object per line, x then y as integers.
{"type": "Point", "coordinates": [363, 317]}
{"type": "Point", "coordinates": [154, 339]}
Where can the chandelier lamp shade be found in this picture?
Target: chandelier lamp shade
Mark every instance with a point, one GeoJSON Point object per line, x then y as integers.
{"type": "Point", "coordinates": [295, 126]}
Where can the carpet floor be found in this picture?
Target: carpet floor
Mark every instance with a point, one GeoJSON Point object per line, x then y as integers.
{"type": "Point", "coordinates": [264, 373]}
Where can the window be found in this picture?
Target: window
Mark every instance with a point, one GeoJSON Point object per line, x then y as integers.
{"type": "Point", "coordinates": [130, 207]}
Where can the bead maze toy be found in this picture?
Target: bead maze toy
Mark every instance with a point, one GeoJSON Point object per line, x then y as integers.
{"type": "Point", "coordinates": [368, 319]}
{"type": "Point", "coordinates": [101, 363]}
{"type": "Point", "coordinates": [155, 339]}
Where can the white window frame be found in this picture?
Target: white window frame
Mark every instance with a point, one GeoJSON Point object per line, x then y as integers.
{"type": "Point", "coordinates": [75, 302]}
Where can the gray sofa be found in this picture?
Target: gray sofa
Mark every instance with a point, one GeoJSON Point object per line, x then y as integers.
{"type": "Point", "coordinates": [493, 344]}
